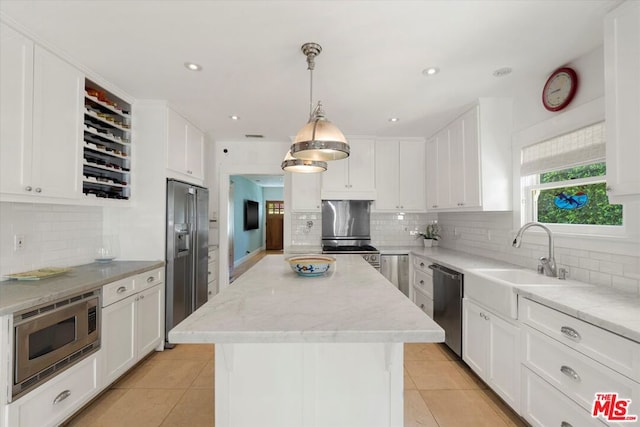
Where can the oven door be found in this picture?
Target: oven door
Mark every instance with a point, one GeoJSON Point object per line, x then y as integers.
{"type": "Point", "coordinates": [44, 339]}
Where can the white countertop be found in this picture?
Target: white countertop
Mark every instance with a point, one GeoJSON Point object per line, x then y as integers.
{"type": "Point", "coordinates": [272, 304]}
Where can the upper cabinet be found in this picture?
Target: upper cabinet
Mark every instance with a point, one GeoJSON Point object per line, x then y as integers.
{"type": "Point", "coordinates": [622, 101]}
{"type": "Point", "coordinates": [469, 161]}
{"type": "Point", "coordinates": [352, 178]}
{"type": "Point", "coordinates": [400, 175]}
{"type": "Point", "coordinates": [305, 192]}
{"type": "Point", "coordinates": [185, 148]}
{"type": "Point", "coordinates": [41, 98]}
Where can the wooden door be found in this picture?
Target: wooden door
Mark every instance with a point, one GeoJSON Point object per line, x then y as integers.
{"type": "Point", "coordinates": [275, 224]}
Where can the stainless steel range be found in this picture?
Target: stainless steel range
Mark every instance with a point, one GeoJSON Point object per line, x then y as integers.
{"type": "Point", "coordinates": [345, 229]}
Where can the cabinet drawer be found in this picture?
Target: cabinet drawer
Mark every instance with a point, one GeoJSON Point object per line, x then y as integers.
{"type": "Point", "coordinates": [424, 302]}
{"type": "Point", "coordinates": [574, 374]}
{"type": "Point", "coordinates": [211, 272]}
{"type": "Point", "coordinates": [57, 399]}
{"type": "Point", "coordinates": [147, 279]}
{"type": "Point", "coordinates": [422, 264]}
{"type": "Point", "coordinates": [543, 405]}
{"type": "Point", "coordinates": [116, 291]}
{"type": "Point", "coordinates": [213, 255]}
{"type": "Point", "coordinates": [424, 282]}
{"type": "Point", "coordinates": [614, 351]}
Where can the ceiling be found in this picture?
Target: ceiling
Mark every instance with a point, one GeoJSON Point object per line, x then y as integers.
{"type": "Point", "coordinates": [370, 68]}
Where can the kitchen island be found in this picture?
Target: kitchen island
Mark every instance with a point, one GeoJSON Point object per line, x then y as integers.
{"type": "Point", "coordinates": [309, 351]}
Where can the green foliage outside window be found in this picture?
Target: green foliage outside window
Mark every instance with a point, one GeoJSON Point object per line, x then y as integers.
{"type": "Point", "coordinates": [597, 211]}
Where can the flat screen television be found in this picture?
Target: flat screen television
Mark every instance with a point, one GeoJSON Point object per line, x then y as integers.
{"type": "Point", "coordinates": [251, 217]}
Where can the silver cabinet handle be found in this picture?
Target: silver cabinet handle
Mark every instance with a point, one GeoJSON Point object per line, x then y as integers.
{"type": "Point", "coordinates": [422, 306]}
{"type": "Point", "coordinates": [150, 279]}
{"type": "Point", "coordinates": [570, 373]}
{"type": "Point", "coordinates": [28, 188]}
{"type": "Point", "coordinates": [38, 190]}
{"type": "Point", "coordinates": [422, 282]}
{"type": "Point", "coordinates": [571, 333]}
{"type": "Point", "coordinates": [565, 424]}
{"type": "Point", "coordinates": [141, 296]}
{"type": "Point", "coordinates": [121, 289]}
{"type": "Point", "coordinates": [422, 264]}
{"type": "Point", "coordinates": [62, 396]}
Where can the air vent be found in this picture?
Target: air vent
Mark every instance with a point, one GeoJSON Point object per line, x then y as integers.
{"type": "Point", "coordinates": [254, 136]}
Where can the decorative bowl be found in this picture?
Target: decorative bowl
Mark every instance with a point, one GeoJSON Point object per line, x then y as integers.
{"type": "Point", "coordinates": [310, 265]}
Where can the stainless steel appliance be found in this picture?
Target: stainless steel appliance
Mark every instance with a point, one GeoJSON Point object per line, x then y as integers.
{"type": "Point", "coordinates": [447, 305]}
{"type": "Point", "coordinates": [346, 229]}
{"type": "Point", "coordinates": [52, 337]}
{"type": "Point", "coordinates": [395, 267]}
{"type": "Point", "coordinates": [187, 251]}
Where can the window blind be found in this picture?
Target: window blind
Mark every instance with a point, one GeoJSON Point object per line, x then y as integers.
{"type": "Point", "coordinates": [585, 145]}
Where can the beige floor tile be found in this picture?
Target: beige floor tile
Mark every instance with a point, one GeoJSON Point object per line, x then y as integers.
{"type": "Point", "coordinates": [504, 411]}
{"type": "Point", "coordinates": [408, 382]}
{"type": "Point", "coordinates": [138, 408]}
{"type": "Point", "coordinates": [428, 375]}
{"type": "Point", "coordinates": [205, 379]}
{"type": "Point", "coordinates": [424, 351]}
{"type": "Point", "coordinates": [186, 352]}
{"type": "Point", "coordinates": [416, 412]}
{"type": "Point", "coordinates": [163, 374]}
{"type": "Point", "coordinates": [461, 408]}
{"type": "Point", "coordinates": [195, 409]}
{"type": "Point", "coordinates": [99, 406]}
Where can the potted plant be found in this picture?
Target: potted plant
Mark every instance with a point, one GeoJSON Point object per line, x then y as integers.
{"type": "Point", "coordinates": [432, 233]}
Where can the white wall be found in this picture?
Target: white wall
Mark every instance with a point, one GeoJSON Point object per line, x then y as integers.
{"type": "Point", "coordinates": [54, 235]}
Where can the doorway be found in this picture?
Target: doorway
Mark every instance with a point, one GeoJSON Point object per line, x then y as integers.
{"type": "Point", "coordinates": [274, 225]}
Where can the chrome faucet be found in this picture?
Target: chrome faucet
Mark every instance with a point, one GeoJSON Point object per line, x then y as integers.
{"type": "Point", "coordinates": [549, 263]}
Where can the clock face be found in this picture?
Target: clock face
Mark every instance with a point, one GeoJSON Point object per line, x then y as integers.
{"type": "Point", "coordinates": [560, 89]}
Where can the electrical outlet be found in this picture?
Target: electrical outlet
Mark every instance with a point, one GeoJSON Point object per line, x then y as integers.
{"type": "Point", "coordinates": [413, 233]}
{"type": "Point", "coordinates": [18, 242]}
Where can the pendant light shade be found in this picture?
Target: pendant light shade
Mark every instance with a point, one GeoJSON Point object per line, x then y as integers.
{"type": "Point", "coordinates": [318, 140]}
{"type": "Point", "coordinates": [291, 164]}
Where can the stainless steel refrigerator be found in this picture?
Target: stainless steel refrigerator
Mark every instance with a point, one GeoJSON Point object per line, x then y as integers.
{"type": "Point", "coordinates": [187, 251]}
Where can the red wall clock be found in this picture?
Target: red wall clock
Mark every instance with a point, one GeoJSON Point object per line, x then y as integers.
{"type": "Point", "coordinates": [560, 89]}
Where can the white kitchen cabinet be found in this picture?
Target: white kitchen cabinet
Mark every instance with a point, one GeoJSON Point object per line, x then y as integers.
{"type": "Point", "coordinates": [352, 178]}
{"type": "Point", "coordinates": [305, 192]}
{"type": "Point", "coordinates": [185, 146]}
{"type": "Point", "coordinates": [42, 103]}
{"type": "Point", "coordinates": [400, 175]}
{"type": "Point", "coordinates": [622, 101]}
{"type": "Point", "coordinates": [57, 399]}
{"type": "Point", "coordinates": [212, 272]}
{"type": "Point", "coordinates": [421, 284]}
{"type": "Point", "coordinates": [132, 321]}
{"type": "Point", "coordinates": [469, 161]}
{"type": "Point", "coordinates": [491, 347]}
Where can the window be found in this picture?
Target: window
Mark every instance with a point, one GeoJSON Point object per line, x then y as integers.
{"type": "Point", "coordinates": [564, 182]}
{"type": "Point", "coordinates": [275, 208]}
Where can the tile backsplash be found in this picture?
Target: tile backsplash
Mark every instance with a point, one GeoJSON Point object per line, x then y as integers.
{"type": "Point", "coordinates": [490, 234]}
{"type": "Point", "coordinates": [54, 235]}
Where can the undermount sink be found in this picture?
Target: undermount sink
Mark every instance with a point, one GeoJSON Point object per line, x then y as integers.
{"type": "Point", "coordinates": [494, 287]}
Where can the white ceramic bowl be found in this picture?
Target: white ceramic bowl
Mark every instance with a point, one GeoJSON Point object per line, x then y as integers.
{"type": "Point", "coordinates": [310, 265]}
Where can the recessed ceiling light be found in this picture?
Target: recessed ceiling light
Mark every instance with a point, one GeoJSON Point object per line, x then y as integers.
{"type": "Point", "coordinates": [234, 117]}
{"type": "Point", "coordinates": [431, 71]}
{"type": "Point", "coordinates": [192, 66]}
{"type": "Point", "coordinates": [394, 119]}
{"type": "Point", "coordinates": [501, 72]}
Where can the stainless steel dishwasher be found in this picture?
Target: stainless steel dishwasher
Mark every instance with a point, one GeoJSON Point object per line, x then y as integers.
{"type": "Point", "coordinates": [395, 267]}
{"type": "Point", "coordinates": [447, 305]}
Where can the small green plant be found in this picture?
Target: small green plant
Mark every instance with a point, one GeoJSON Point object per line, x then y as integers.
{"type": "Point", "coordinates": [431, 232]}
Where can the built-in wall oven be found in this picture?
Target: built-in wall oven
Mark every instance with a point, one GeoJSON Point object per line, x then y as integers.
{"type": "Point", "coordinates": [52, 337]}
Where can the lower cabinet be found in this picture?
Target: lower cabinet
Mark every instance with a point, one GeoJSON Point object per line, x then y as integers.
{"type": "Point", "coordinates": [131, 328]}
{"type": "Point", "coordinates": [54, 401]}
{"type": "Point", "coordinates": [422, 284]}
{"type": "Point", "coordinates": [491, 347]}
{"type": "Point", "coordinates": [212, 273]}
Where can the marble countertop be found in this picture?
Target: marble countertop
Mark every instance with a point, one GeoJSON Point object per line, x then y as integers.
{"type": "Point", "coordinates": [272, 304]}
{"type": "Point", "coordinates": [16, 295]}
{"type": "Point", "coordinates": [459, 261]}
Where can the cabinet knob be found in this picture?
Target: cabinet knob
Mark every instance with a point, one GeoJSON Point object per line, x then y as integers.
{"type": "Point", "coordinates": [434, 206]}
{"type": "Point", "coordinates": [141, 296]}
{"type": "Point", "coordinates": [28, 188]}
{"type": "Point", "coordinates": [422, 264]}
{"type": "Point", "coordinates": [565, 424]}
{"type": "Point", "coordinates": [150, 279]}
{"type": "Point", "coordinates": [609, 188]}
{"type": "Point", "coordinates": [422, 282]}
{"type": "Point", "coordinates": [568, 371]}
{"type": "Point", "coordinates": [422, 306]}
{"type": "Point", "coordinates": [571, 333]}
{"type": "Point", "coordinates": [62, 396]}
{"type": "Point", "coordinates": [121, 289]}
{"type": "Point", "coordinates": [38, 190]}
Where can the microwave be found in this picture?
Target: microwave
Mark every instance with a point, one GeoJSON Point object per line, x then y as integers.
{"type": "Point", "coordinates": [52, 337]}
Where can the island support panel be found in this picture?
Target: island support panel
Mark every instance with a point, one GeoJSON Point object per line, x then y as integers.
{"type": "Point", "coordinates": [309, 384]}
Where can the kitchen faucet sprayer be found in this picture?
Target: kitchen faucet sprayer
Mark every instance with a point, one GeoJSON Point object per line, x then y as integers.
{"type": "Point", "coordinates": [549, 263]}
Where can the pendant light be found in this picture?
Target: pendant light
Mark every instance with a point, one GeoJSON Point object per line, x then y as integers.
{"type": "Point", "coordinates": [291, 164]}
{"type": "Point", "coordinates": [319, 139]}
